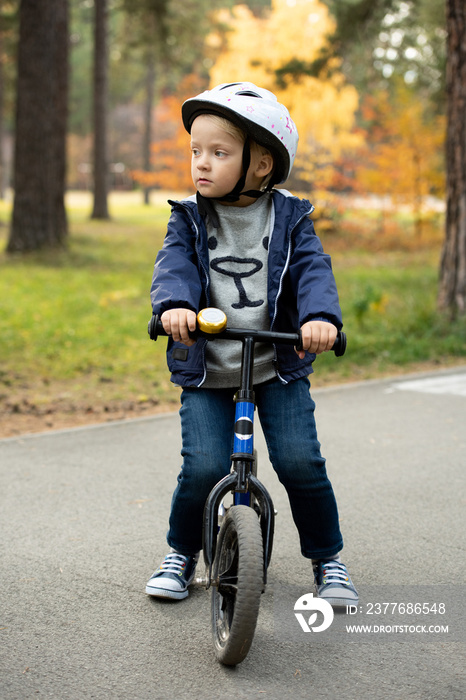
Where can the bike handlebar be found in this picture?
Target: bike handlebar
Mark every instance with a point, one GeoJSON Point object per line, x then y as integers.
{"type": "Point", "coordinates": [155, 328]}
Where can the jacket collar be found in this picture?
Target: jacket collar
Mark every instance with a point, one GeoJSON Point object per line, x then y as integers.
{"type": "Point", "coordinates": [286, 204]}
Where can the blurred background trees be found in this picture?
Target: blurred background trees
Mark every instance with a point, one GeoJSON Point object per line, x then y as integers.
{"type": "Point", "coordinates": [100, 99]}
{"type": "Point", "coordinates": [39, 217]}
{"type": "Point", "coordinates": [365, 80]}
{"type": "Point", "coordinates": [452, 291]}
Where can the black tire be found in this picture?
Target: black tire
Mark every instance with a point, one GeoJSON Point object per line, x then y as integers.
{"type": "Point", "coordinates": [238, 577]}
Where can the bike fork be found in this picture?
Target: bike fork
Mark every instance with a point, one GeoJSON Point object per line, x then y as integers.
{"type": "Point", "coordinates": [241, 481]}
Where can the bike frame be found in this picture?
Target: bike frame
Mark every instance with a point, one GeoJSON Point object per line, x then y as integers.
{"type": "Point", "coordinates": [241, 480]}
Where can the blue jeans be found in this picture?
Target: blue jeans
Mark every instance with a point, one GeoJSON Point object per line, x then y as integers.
{"type": "Point", "coordinates": [286, 413]}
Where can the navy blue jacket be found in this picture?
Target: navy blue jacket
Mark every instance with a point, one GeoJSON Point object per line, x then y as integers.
{"type": "Point", "coordinates": [301, 285]}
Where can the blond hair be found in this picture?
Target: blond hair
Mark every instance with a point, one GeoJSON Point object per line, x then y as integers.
{"type": "Point", "coordinates": [228, 126]}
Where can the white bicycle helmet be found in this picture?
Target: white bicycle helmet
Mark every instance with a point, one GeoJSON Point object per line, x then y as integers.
{"type": "Point", "coordinates": [257, 112]}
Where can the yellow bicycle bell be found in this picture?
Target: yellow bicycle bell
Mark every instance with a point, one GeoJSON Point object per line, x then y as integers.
{"type": "Point", "coordinates": [211, 320]}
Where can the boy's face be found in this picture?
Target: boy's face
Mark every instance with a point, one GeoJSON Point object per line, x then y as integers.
{"type": "Point", "coordinates": [216, 159]}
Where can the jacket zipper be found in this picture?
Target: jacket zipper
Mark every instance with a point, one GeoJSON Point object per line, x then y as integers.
{"type": "Point", "coordinates": [280, 288]}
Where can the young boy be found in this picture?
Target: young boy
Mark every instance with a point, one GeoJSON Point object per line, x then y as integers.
{"type": "Point", "coordinates": [251, 250]}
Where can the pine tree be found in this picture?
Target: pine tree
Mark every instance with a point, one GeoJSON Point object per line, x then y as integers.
{"type": "Point", "coordinates": [39, 217]}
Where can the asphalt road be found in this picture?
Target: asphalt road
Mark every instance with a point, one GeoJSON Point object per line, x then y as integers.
{"type": "Point", "coordinates": [83, 521]}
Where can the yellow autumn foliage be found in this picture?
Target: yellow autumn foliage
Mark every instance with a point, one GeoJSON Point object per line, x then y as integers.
{"type": "Point", "coordinates": [404, 153]}
{"type": "Point", "coordinates": [323, 108]}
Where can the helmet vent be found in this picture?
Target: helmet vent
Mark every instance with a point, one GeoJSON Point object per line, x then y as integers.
{"type": "Point", "coordinates": [248, 93]}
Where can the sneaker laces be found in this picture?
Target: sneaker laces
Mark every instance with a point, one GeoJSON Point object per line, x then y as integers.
{"type": "Point", "coordinates": [334, 572]}
{"type": "Point", "coordinates": [173, 563]}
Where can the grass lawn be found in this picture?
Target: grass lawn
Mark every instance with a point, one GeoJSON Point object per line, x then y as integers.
{"type": "Point", "coordinates": [73, 322]}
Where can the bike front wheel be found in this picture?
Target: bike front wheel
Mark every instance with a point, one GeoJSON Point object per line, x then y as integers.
{"type": "Point", "coordinates": [238, 584]}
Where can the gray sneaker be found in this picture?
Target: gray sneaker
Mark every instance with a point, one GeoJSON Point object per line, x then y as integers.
{"type": "Point", "coordinates": [172, 578]}
{"type": "Point", "coordinates": [333, 583]}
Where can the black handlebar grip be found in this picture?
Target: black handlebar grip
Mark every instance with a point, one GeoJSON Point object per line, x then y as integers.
{"type": "Point", "coordinates": [153, 328]}
{"type": "Point", "coordinates": [339, 346]}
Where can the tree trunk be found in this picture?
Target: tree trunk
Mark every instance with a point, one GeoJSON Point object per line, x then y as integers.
{"type": "Point", "coordinates": [100, 210]}
{"type": "Point", "coordinates": [452, 289]}
{"type": "Point", "coordinates": [150, 80]}
{"type": "Point", "coordinates": [2, 122]}
{"type": "Point", "coordinates": [39, 216]}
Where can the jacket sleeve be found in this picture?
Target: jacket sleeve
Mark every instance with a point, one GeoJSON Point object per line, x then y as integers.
{"type": "Point", "coordinates": [312, 278]}
{"type": "Point", "coordinates": [176, 281]}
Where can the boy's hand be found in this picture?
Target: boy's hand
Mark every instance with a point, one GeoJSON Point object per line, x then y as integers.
{"type": "Point", "coordinates": [318, 336]}
{"type": "Point", "coordinates": [178, 323]}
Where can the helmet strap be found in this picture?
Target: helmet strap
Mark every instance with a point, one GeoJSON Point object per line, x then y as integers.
{"type": "Point", "coordinates": [236, 192]}
{"type": "Point", "coordinates": [206, 208]}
